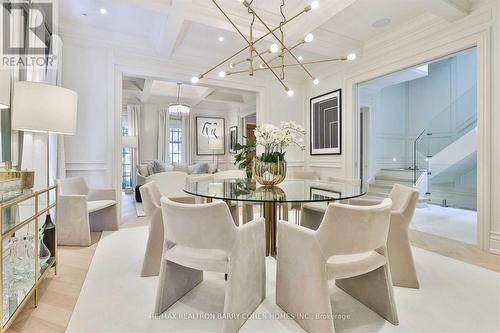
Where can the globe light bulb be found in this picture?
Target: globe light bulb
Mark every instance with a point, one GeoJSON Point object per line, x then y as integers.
{"type": "Point", "coordinates": [316, 82]}
{"type": "Point", "coordinates": [290, 92]}
{"type": "Point", "coordinates": [195, 79]}
{"type": "Point", "coordinates": [222, 74]}
{"type": "Point", "coordinates": [274, 48]}
{"type": "Point", "coordinates": [231, 65]}
{"type": "Point", "coordinates": [314, 4]}
{"type": "Point", "coordinates": [309, 38]}
{"type": "Point", "coordinates": [351, 56]}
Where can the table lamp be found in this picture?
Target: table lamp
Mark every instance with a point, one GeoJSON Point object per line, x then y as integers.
{"type": "Point", "coordinates": [40, 107]}
{"type": "Point", "coordinates": [215, 144]}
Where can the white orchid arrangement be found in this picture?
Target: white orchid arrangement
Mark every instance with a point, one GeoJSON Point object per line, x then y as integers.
{"type": "Point", "coordinates": [275, 139]}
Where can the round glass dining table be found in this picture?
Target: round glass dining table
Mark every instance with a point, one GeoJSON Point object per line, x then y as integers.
{"type": "Point", "coordinates": [289, 191]}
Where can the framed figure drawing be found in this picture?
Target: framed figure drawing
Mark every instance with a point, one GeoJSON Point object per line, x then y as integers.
{"type": "Point", "coordinates": [210, 136]}
{"type": "Point", "coordinates": [233, 138]}
{"type": "Point", "coordinates": [326, 124]}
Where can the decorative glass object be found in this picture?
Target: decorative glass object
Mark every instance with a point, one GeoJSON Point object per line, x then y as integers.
{"type": "Point", "coordinates": [269, 173]}
{"type": "Point", "coordinates": [44, 252]}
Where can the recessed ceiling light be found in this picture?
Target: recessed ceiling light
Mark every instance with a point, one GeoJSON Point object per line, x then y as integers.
{"type": "Point", "coordinates": [221, 39]}
{"type": "Point", "coordinates": [103, 11]}
{"type": "Point", "coordinates": [382, 23]}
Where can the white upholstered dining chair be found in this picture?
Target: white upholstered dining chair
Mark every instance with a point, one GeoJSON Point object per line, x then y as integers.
{"type": "Point", "coordinates": [234, 207]}
{"type": "Point", "coordinates": [404, 202]}
{"type": "Point", "coordinates": [348, 247]}
{"type": "Point", "coordinates": [312, 213]}
{"type": "Point", "coordinates": [154, 247]}
{"type": "Point", "coordinates": [170, 183]}
{"type": "Point", "coordinates": [82, 210]}
{"type": "Point", "coordinates": [204, 238]}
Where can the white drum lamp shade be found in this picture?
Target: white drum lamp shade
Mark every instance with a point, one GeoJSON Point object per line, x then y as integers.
{"type": "Point", "coordinates": [39, 107]}
{"type": "Point", "coordinates": [4, 89]}
{"type": "Point", "coordinates": [130, 141]}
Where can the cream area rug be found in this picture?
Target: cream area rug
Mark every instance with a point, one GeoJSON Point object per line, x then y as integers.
{"type": "Point", "coordinates": [454, 297]}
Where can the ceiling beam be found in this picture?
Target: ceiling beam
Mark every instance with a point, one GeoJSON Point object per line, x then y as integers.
{"type": "Point", "coordinates": [448, 9]}
{"type": "Point", "coordinates": [146, 92]}
{"type": "Point", "coordinates": [202, 97]}
{"type": "Point", "coordinates": [174, 28]}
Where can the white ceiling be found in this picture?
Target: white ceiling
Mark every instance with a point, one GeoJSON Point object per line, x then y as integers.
{"type": "Point", "coordinates": [187, 31]}
{"type": "Point", "coordinates": [162, 92]}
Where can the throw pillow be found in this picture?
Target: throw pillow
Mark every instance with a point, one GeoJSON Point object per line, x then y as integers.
{"type": "Point", "coordinates": [212, 168]}
{"type": "Point", "coordinates": [158, 167]}
{"type": "Point", "coordinates": [143, 170]}
{"type": "Point", "coordinates": [200, 168]}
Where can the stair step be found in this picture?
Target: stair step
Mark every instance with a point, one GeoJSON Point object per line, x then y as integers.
{"type": "Point", "coordinates": [381, 185]}
{"type": "Point", "coordinates": [394, 179]}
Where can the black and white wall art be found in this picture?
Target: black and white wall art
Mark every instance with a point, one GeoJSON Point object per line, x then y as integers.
{"type": "Point", "coordinates": [210, 136]}
{"type": "Point", "coordinates": [233, 138]}
{"type": "Point", "coordinates": [326, 124]}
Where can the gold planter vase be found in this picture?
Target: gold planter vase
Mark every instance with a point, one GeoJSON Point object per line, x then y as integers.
{"type": "Point", "coordinates": [269, 173]}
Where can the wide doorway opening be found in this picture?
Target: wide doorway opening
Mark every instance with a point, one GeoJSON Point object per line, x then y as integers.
{"type": "Point", "coordinates": [418, 127]}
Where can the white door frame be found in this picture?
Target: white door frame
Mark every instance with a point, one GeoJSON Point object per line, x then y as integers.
{"type": "Point", "coordinates": [480, 40]}
{"type": "Point", "coordinates": [120, 71]}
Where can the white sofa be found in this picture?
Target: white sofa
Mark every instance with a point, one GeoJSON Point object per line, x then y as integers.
{"type": "Point", "coordinates": [82, 210]}
{"type": "Point", "coordinates": [146, 170]}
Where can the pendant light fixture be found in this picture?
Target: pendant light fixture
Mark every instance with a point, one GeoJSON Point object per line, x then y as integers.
{"type": "Point", "coordinates": [178, 108]}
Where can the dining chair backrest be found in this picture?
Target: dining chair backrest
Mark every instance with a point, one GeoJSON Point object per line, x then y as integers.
{"type": "Point", "coordinates": [150, 198]}
{"type": "Point", "coordinates": [348, 229]}
{"type": "Point", "coordinates": [305, 175]}
{"type": "Point", "coordinates": [404, 200]}
{"type": "Point", "coordinates": [349, 181]}
{"type": "Point", "coordinates": [202, 226]}
{"type": "Point", "coordinates": [230, 174]}
{"type": "Point", "coordinates": [73, 186]}
{"type": "Point", "coordinates": [170, 183]}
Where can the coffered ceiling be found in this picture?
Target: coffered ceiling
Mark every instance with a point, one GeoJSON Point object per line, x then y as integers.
{"type": "Point", "coordinates": [161, 92]}
{"type": "Point", "coordinates": [188, 31]}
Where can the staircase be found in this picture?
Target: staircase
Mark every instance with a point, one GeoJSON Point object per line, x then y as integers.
{"type": "Point", "coordinates": [381, 185]}
{"type": "Point", "coordinates": [457, 158]}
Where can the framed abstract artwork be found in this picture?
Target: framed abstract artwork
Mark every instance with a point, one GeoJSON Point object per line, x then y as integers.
{"type": "Point", "coordinates": [326, 124]}
{"type": "Point", "coordinates": [233, 138]}
{"type": "Point", "coordinates": [210, 136]}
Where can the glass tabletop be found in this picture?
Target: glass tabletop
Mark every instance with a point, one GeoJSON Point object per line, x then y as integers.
{"type": "Point", "coordinates": [287, 191]}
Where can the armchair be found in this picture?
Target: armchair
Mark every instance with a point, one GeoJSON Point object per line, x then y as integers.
{"type": "Point", "coordinates": [350, 248]}
{"type": "Point", "coordinates": [206, 239]}
{"type": "Point", "coordinates": [82, 210]}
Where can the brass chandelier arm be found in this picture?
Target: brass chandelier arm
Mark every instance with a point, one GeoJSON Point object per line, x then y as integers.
{"type": "Point", "coordinates": [286, 51]}
{"type": "Point", "coordinates": [305, 10]}
{"type": "Point", "coordinates": [279, 40]}
{"type": "Point", "coordinates": [290, 65]}
{"type": "Point", "coordinates": [250, 44]}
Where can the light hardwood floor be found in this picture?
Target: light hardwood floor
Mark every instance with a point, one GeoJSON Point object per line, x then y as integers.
{"type": "Point", "coordinates": [60, 293]}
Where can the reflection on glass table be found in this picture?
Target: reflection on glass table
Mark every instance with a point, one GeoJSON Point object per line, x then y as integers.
{"type": "Point", "coordinates": [293, 191]}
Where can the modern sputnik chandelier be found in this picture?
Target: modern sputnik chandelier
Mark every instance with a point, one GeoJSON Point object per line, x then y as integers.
{"type": "Point", "coordinates": [279, 49]}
